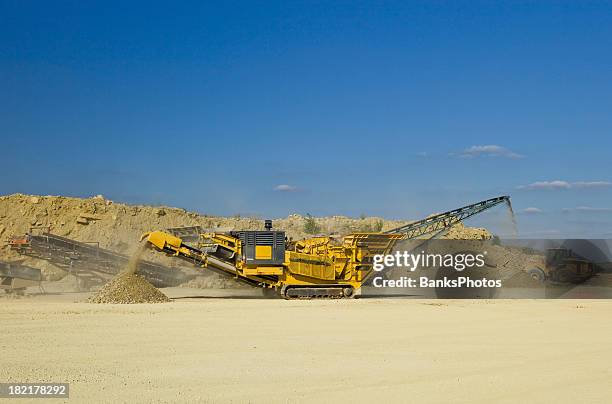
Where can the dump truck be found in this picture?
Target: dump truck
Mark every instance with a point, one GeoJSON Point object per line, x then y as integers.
{"type": "Point", "coordinates": [317, 267]}
{"type": "Point", "coordinates": [562, 265]}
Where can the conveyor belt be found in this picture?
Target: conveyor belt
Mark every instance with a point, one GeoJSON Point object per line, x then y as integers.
{"type": "Point", "coordinates": [443, 221]}
{"type": "Point", "coordinates": [79, 257]}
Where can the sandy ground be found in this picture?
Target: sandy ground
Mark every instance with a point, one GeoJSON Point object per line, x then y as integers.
{"type": "Point", "coordinates": [256, 350]}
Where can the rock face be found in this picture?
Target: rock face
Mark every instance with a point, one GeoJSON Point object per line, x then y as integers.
{"type": "Point", "coordinates": [461, 232]}
{"type": "Point", "coordinates": [128, 288]}
{"type": "Point", "coordinates": [118, 226]}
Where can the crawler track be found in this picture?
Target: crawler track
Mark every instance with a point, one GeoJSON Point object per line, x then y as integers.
{"type": "Point", "coordinates": [317, 292]}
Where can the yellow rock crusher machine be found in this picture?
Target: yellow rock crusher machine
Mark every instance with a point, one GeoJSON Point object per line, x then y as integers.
{"type": "Point", "coordinates": [311, 268]}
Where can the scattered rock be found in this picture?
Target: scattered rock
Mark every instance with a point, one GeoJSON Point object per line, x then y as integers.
{"type": "Point", "coordinates": [90, 216]}
{"type": "Point", "coordinates": [82, 220]}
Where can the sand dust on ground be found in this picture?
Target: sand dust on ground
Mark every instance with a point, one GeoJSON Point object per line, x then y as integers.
{"type": "Point", "coordinates": [263, 351]}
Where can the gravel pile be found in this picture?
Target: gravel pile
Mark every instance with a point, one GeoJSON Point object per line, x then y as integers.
{"type": "Point", "coordinates": [128, 288]}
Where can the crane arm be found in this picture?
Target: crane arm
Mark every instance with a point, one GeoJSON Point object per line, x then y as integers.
{"type": "Point", "coordinates": [444, 221]}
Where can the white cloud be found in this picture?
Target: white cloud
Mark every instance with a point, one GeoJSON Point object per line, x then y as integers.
{"type": "Point", "coordinates": [532, 211]}
{"type": "Point", "coordinates": [285, 188]}
{"type": "Point", "coordinates": [422, 154]}
{"type": "Point", "coordinates": [491, 150]}
{"type": "Point", "coordinates": [558, 184]}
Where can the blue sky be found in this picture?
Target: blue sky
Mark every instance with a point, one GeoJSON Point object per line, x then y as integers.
{"type": "Point", "coordinates": [398, 109]}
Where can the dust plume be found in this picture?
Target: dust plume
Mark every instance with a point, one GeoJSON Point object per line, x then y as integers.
{"type": "Point", "coordinates": [132, 266]}
{"type": "Point", "coordinates": [512, 218]}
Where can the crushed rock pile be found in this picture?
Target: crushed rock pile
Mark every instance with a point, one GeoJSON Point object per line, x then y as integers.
{"type": "Point", "coordinates": [129, 288]}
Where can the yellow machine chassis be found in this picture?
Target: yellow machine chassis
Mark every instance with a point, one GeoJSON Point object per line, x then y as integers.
{"type": "Point", "coordinates": [315, 262]}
